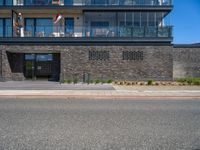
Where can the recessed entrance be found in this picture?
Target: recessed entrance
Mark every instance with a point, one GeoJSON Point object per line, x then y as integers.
{"type": "Point", "coordinates": [42, 66]}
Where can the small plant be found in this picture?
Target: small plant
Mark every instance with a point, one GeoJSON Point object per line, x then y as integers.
{"type": "Point", "coordinates": [109, 81]}
{"type": "Point", "coordinates": [103, 81]}
{"type": "Point", "coordinates": [69, 81]}
{"type": "Point", "coordinates": [75, 81]}
{"type": "Point", "coordinates": [91, 81]}
{"type": "Point", "coordinates": [149, 82]}
{"type": "Point", "coordinates": [97, 81]}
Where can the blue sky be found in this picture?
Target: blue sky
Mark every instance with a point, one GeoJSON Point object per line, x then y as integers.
{"type": "Point", "coordinates": [186, 21]}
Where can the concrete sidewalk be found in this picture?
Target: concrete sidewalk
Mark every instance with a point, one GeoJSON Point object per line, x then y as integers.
{"type": "Point", "coordinates": [47, 85]}
{"type": "Point", "coordinates": [99, 94]}
{"type": "Point", "coordinates": [28, 89]}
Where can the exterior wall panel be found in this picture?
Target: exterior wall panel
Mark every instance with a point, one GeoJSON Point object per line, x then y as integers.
{"type": "Point", "coordinates": [186, 62]}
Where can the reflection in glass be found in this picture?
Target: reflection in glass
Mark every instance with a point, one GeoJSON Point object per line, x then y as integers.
{"type": "Point", "coordinates": [44, 57]}
{"type": "Point", "coordinates": [5, 27]}
{"type": "Point", "coordinates": [39, 27]}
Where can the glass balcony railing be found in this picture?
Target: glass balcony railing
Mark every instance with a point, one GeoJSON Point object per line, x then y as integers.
{"type": "Point", "coordinates": [89, 32]}
{"type": "Point", "coordinates": [86, 2]}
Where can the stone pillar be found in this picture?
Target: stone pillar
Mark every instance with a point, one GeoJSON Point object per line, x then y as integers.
{"type": "Point", "coordinates": [5, 71]}
{"type": "Point", "coordinates": [62, 68]}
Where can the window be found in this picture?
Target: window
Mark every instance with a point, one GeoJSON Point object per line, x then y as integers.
{"type": "Point", "coordinates": [39, 27]}
{"type": "Point", "coordinates": [1, 27]}
{"type": "Point", "coordinates": [99, 28]}
{"type": "Point", "coordinates": [69, 26]}
{"type": "Point", "coordinates": [99, 55]}
{"type": "Point", "coordinates": [5, 27]}
{"type": "Point", "coordinates": [38, 2]}
{"type": "Point", "coordinates": [132, 55]}
{"type": "Point", "coordinates": [6, 2]}
{"type": "Point", "coordinates": [44, 57]}
{"type": "Point", "coordinates": [99, 2]}
{"type": "Point", "coordinates": [68, 2]}
{"type": "Point", "coordinates": [39, 57]}
{"type": "Point", "coordinates": [30, 57]}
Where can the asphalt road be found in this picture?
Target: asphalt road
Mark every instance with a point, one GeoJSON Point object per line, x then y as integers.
{"type": "Point", "coordinates": [99, 125]}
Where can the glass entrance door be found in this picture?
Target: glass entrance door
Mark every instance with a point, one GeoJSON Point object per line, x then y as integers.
{"type": "Point", "coordinates": [38, 66]}
{"type": "Point", "coordinates": [43, 65]}
{"type": "Point", "coordinates": [29, 71]}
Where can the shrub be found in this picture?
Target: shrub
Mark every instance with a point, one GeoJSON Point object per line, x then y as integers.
{"type": "Point", "coordinates": [181, 80]}
{"type": "Point", "coordinates": [91, 81]}
{"type": "Point", "coordinates": [190, 81]}
{"type": "Point", "coordinates": [97, 81]}
{"type": "Point", "coordinates": [103, 81]}
{"type": "Point", "coordinates": [196, 82]}
{"type": "Point", "coordinates": [109, 81]}
{"type": "Point", "coordinates": [68, 81]}
{"type": "Point", "coordinates": [75, 81]}
{"type": "Point", "coordinates": [150, 82]}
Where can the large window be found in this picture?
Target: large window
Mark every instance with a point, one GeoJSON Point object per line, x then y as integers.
{"type": "Point", "coordinates": [5, 27]}
{"type": "Point", "coordinates": [39, 27]}
{"type": "Point", "coordinates": [99, 28]}
{"type": "Point", "coordinates": [6, 2]}
{"type": "Point", "coordinates": [68, 2]}
{"type": "Point", "coordinates": [100, 24]}
{"type": "Point", "coordinates": [99, 2]}
{"type": "Point", "coordinates": [37, 2]}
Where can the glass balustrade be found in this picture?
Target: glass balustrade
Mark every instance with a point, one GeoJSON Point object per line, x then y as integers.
{"type": "Point", "coordinates": [88, 32]}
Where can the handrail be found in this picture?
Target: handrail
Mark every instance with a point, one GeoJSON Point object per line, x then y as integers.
{"type": "Point", "coordinates": [80, 31]}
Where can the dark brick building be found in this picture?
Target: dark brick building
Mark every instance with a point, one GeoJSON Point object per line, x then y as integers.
{"type": "Point", "coordinates": [92, 39]}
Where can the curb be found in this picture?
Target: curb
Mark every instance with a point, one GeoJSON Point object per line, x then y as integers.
{"type": "Point", "coordinates": [100, 97]}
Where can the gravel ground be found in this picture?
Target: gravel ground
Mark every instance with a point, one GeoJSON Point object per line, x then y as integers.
{"type": "Point", "coordinates": [156, 88]}
{"type": "Point", "coordinates": [99, 125]}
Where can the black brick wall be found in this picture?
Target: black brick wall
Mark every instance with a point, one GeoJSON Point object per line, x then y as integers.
{"type": "Point", "coordinates": [158, 62]}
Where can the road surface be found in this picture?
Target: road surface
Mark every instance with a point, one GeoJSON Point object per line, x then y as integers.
{"type": "Point", "coordinates": [30, 124]}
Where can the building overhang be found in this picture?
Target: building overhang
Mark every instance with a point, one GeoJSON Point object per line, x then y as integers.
{"type": "Point", "coordinates": [82, 40]}
{"type": "Point", "coordinates": [6, 9]}
{"type": "Point", "coordinates": [186, 45]}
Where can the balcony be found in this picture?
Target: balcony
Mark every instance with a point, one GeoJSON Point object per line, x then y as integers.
{"type": "Point", "coordinates": [89, 32]}
{"type": "Point", "coordinates": [86, 2]}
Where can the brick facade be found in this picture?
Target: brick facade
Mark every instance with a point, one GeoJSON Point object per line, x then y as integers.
{"type": "Point", "coordinates": [107, 62]}
{"type": "Point", "coordinates": [186, 62]}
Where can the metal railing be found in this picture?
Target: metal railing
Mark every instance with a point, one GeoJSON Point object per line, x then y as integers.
{"type": "Point", "coordinates": [91, 3]}
{"type": "Point", "coordinates": [89, 32]}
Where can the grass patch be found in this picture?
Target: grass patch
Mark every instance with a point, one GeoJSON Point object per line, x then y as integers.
{"type": "Point", "coordinates": [190, 81]}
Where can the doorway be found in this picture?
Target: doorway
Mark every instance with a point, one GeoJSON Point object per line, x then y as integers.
{"type": "Point", "coordinates": [42, 66]}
